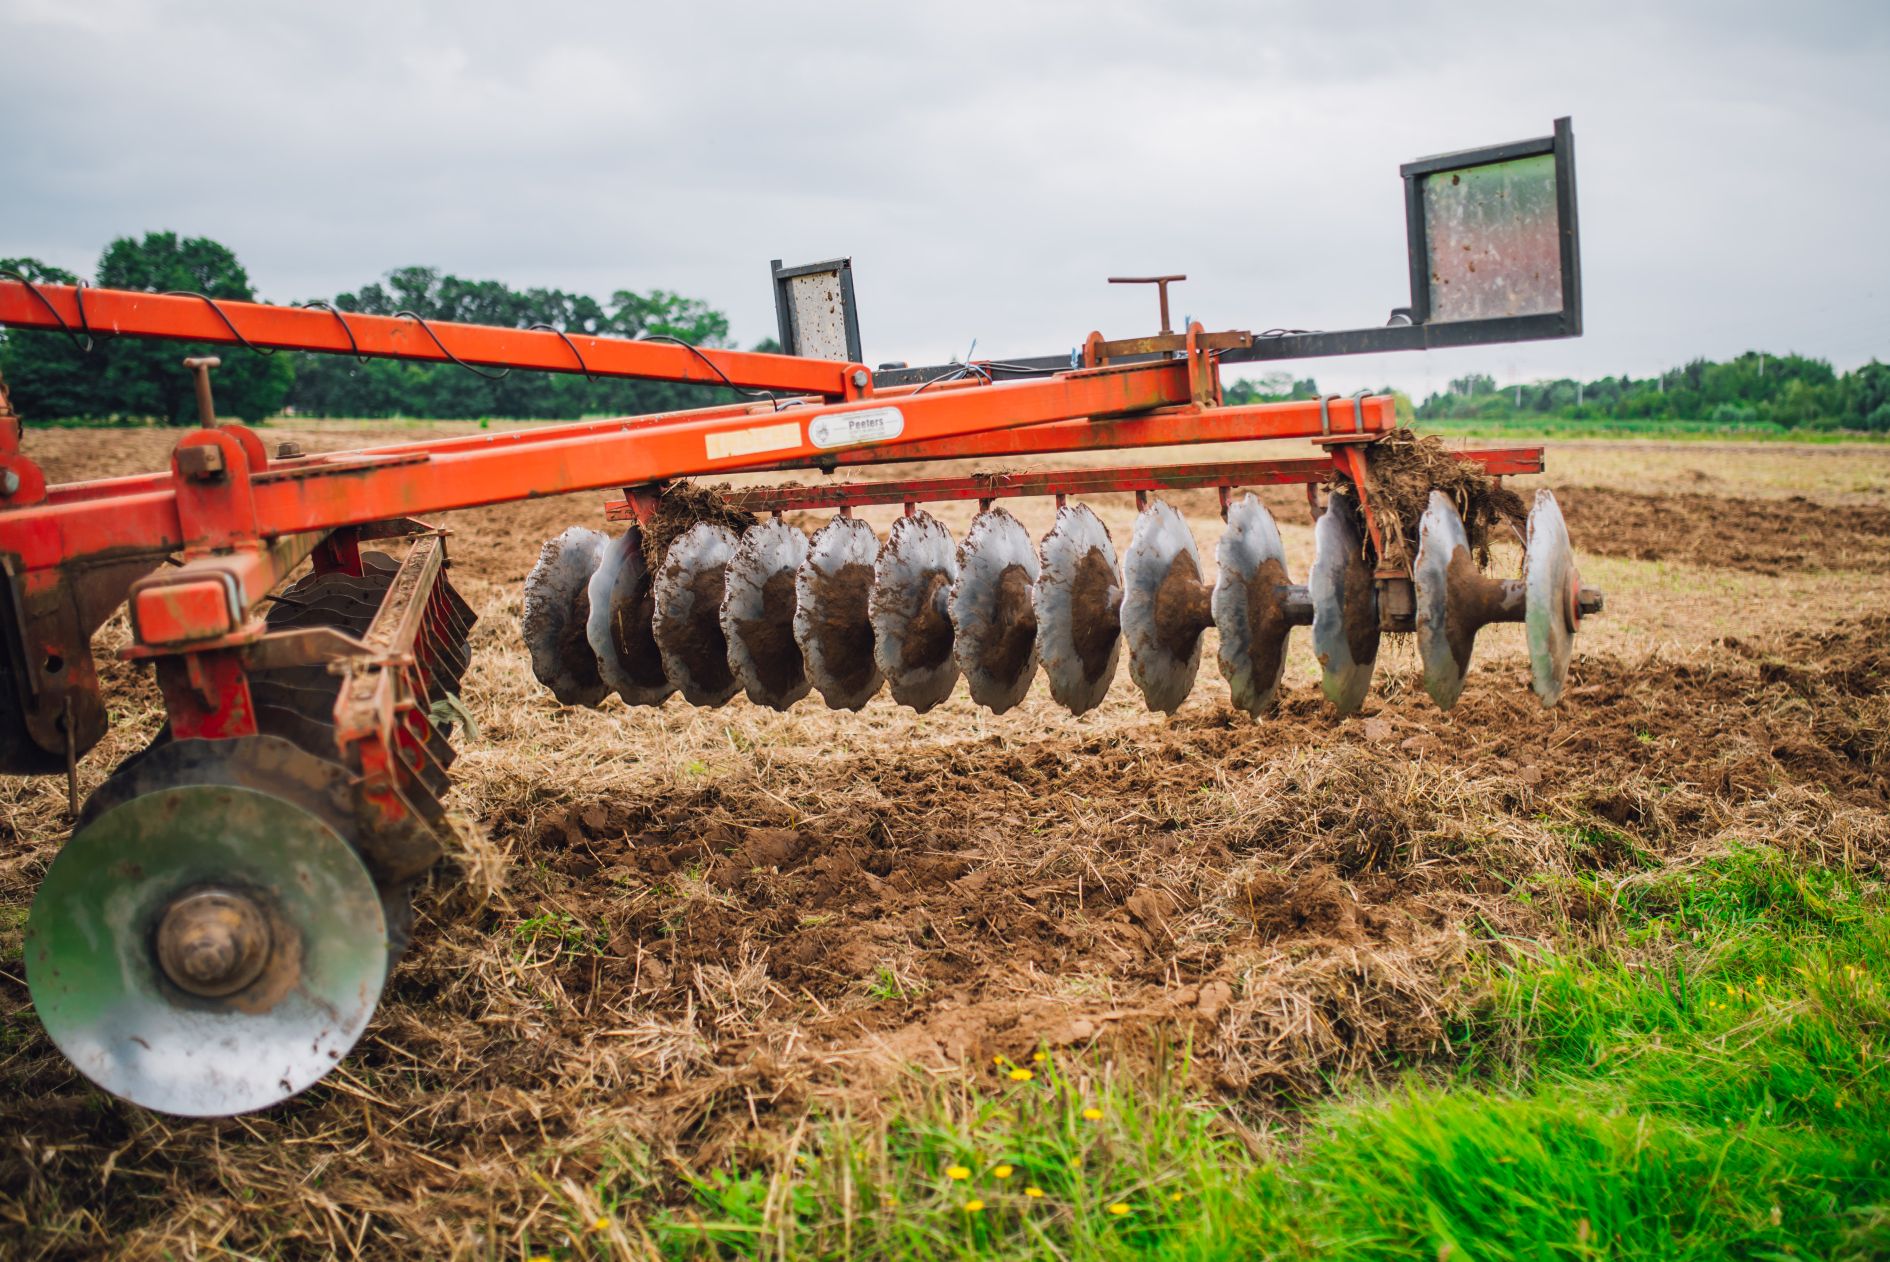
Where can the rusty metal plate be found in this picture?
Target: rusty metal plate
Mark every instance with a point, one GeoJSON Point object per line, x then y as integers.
{"type": "Point", "coordinates": [1079, 609]}
{"type": "Point", "coordinates": [1550, 584]}
{"type": "Point", "coordinates": [1161, 617]}
{"type": "Point", "coordinates": [95, 978]}
{"type": "Point", "coordinates": [994, 614]}
{"type": "Point", "coordinates": [1345, 607]}
{"type": "Point", "coordinates": [910, 609]}
{"type": "Point", "coordinates": [1249, 610]}
{"type": "Point", "coordinates": [1494, 237]}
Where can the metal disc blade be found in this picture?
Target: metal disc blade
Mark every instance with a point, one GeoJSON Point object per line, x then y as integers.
{"type": "Point", "coordinates": [1249, 611]}
{"type": "Point", "coordinates": [1549, 584]}
{"type": "Point", "coordinates": [758, 614]}
{"type": "Point", "coordinates": [1161, 587]}
{"type": "Point", "coordinates": [620, 626]}
{"type": "Point", "coordinates": [994, 615]}
{"type": "Point", "coordinates": [687, 618]}
{"type": "Point", "coordinates": [831, 621]}
{"type": "Point", "coordinates": [1345, 607]}
{"type": "Point", "coordinates": [97, 985]}
{"type": "Point", "coordinates": [1443, 651]}
{"type": "Point", "coordinates": [910, 610]}
{"type": "Point", "coordinates": [557, 605]}
{"type": "Point", "coordinates": [1079, 609]}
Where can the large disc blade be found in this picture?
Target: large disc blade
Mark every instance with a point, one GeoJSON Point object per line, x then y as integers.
{"type": "Point", "coordinates": [994, 616]}
{"type": "Point", "coordinates": [910, 609]}
{"type": "Point", "coordinates": [1444, 635]}
{"type": "Point", "coordinates": [1249, 610]}
{"type": "Point", "coordinates": [758, 614]}
{"type": "Point", "coordinates": [687, 620]}
{"type": "Point", "coordinates": [1079, 609]}
{"type": "Point", "coordinates": [832, 623]}
{"type": "Point", "coordinates": [621, 625]}
{"type": "Point", "coordinates": [105, 911]}
{"type": "Point", "coordinates": [557, 606]}
{"type": "Point", "coordinates": [1163, 607]}
{"type": "Point", "coordinates": [1549, 583]}
{"type": "Point", "coordinates": [1345, 607]}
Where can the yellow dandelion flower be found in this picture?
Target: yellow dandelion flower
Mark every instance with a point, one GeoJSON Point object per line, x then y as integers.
{"type": "Point", "coordinates": [1119, 1209]}
{"type": "Point", "coordinates": [1175, 1196]}
{"type": "Point", "coordinates": [1093, 1114]}
{"type": "Point", "coordinates": [600, 1224]}
{"type": "Point", "coordinates": [1021, 1075]}
{"type": "Point", "coordinates": [1000, 1060]}
{"type": "Point", "coordinates": [974, 1206]}
{"type": "Point", "coordinates": [957, 1172]}
{"type": "Point", "coordinates": [1033, 1192]}
{"type": "Point", "coordinates": [1002, 1172]}
{"type": "Point", "coordinates": [1040, 1057]}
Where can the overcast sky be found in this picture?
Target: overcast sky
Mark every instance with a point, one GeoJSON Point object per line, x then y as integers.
{"type": "Point", "coordinates": [985, 165]}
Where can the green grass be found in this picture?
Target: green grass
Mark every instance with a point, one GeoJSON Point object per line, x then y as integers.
{"type": "Point", "coordinates": [1712, 1080]}
{"type": "Point", "coordinates": [1547, 426]}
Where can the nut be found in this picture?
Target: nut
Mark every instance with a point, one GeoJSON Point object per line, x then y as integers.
{"type": "Point", "coordinates": [9, 482]}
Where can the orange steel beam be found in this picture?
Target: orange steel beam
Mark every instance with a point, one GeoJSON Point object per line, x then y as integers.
{"type": "Point", "coordinates": [1111, 479]}
{"type": "Point", "coordinates": [1170, 427]}
{"type": "Point", "coordinates": [416, 482]}
{"type": "Point", "coordinates": [125, 312]}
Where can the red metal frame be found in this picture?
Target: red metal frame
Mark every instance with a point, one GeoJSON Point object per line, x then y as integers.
{"type": "Point", "coordinates": [237, 522]}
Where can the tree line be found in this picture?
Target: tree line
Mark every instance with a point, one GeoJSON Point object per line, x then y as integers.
{"type": "Point", "coordinates": [52, 376]}
{"type": "Point", "coordinates": [1793, 391]}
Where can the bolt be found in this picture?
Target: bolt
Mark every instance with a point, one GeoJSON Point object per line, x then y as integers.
{"type": "Point", "coordinates": [9, 483]}
{"type": "Point", "coordinates": [213, 942]}
{"type": "Point", "coordinates": [859, 378]}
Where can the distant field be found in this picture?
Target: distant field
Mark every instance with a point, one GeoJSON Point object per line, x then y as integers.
{"type": "Point", "coordinates": [1574, 427]}
{"type": "Point", "coordinates": [1605, 981]}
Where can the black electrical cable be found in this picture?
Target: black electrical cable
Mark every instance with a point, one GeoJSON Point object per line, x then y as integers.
{"type": "Point", "coordinates": [316, 304]}
{"type": "Point", "coordinates": [83, 339]}
{"type": "Point", "coordinates": [426, 328]}
{"type": "Point", "coordinates": [223, 316]}
{"type": "Point", "coordinates": [579, 355]}
{"type": "Point", "coordinates": [713, 367]}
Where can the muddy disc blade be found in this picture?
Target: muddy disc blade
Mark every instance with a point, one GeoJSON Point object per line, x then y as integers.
{"type": "Point", "coordinates": [620, 626]}
{"type": "Point", "coordinates": [1549, 585]}
{"type": "Point", "coordinates": [1079, 609]}
{"type": "Point", "coordinates": [910, 609]}
{"type": "Point", "coordinates": [1164, 607]}
{"type": "Point", "coordinates": [1443, 649]}
{"type": "Point", "coordinates": [1249, 611]}
{"type": "Point", "coordinates": [557, 606]}
{"type": "Point", "coordinates": [687, 618]}
{"type": "Point", "coordinates": [994, 614]}
{"type": "Point", "coordinates": [206, 950]}
{"type": "Point", "coordinates": [758, 614]}
{"type": "Point", "coordinates": [831, 621]}
{"type": "Point", "coordinates": [1345, 607]}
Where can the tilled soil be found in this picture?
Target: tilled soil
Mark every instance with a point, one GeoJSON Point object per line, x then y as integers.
{"type": "Point", "coordinates": [678, 931]}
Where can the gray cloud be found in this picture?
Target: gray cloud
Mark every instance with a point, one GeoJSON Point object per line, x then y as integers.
{"type": "Point", "coordinates": [987, 165]}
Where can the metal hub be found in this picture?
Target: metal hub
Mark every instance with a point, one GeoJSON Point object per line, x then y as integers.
{"type": "Point", "coordinates": [213, 942]}
{"type": "Point", "coordinates": [206, 949]}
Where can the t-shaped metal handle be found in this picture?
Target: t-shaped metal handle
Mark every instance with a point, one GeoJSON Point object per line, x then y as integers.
{"type": "Point", "coordinates": [1161, 284]}
{"type": "Point", "coordinates": [200, 366]}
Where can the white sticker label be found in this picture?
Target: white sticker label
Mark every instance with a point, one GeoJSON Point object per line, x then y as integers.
{"type": "Point", "coordinates": [847, 429]}
{"type": "Point", "coordinates": [752, 441]}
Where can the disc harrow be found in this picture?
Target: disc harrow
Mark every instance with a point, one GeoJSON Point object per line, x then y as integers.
{"type": "Point", "coordinates": [841, 612]}
{"type": "Point", "coordinates": [214, 935]}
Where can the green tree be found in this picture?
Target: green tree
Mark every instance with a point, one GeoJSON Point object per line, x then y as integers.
{"type": "Point", "coordinates": [49, 375]}
{"type": "Point", "coordinates": [143, 377]}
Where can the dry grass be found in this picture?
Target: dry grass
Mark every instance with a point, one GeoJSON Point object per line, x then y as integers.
{"type": "Point", "coordinates": [674, 932]}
